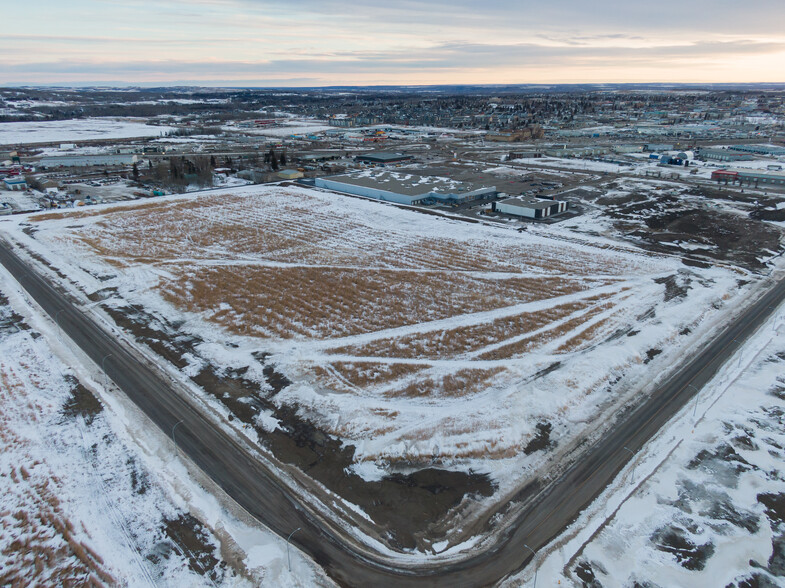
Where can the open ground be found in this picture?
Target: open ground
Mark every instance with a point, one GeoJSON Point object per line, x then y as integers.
{"type": "Point", "coordinates": [376, 347]}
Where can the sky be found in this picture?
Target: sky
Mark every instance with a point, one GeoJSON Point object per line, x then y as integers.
{"type": "Point", "coordinates": [398, 42]}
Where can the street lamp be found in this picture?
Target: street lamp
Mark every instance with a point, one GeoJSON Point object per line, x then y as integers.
{"type": "Point", "coordinates": [697, 392]}
{"type": "Point", "coordinates": [632, 453]}
{"type": "Point", "coordinates": [174, 439]}
{"type": "Point", "coordinates": [534, 555]}
{"type": "Point", "coordinates": [103, 367]}
{"type": "Point", "coordinates": [736, 341]}
{"type": "Point", "coordinates": [57, 322]}
{"type": "Point", "coordinates": [288, 558]}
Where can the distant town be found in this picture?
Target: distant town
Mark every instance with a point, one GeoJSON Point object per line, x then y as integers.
{"type": "Point", "coordinates": [62, 148]}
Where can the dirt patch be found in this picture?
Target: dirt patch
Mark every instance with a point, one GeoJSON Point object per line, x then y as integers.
{"type": "Point", "coordinates": [744, 442]}
{"type": "Point", "coordinates": [778, 391]}
{"type": "Point", "coordinates": [725, 464]}
{"type": "Point", "coordinates": [775, 511]}
{"type": "Point", "coordinates": [671, 223]}
{"type": "Point", "coordinates": [187, 536]}
{"type": "Point", "coordinates": [755, 580]}
{"type": "Point", "coordinates": [728, 236]}
{"type": "Point", "coordinates": [29, 230]}
{"type": "Point", "coordinates": [139, 481]}
{"type": "Point", "coordinates": [621, 198]}
{"type": "Point", "coordinates": [399, 503]}
{"type": "Point", "coordinates": [82, 402]}
{"type": "Point", "coordinates": [102, 294]}
{"type": "Point", "coordinates": [10, 321]}
{"type": "Point", "coordinates": [777, 559]}
{"type": "Point", "coordinates": [673, 539]}
{"type": "Point", "coordinates": [775, 507]}
{"type": "Point", "coordinates": [724, 510]}
{"type": "Point", "coordinates": [675, 286]}
{"type": "Point", "coordinates": [542, 440]}
{"type": "Point", "coordinates": [768, 215]}
{"type": "Point", "coordinates": [730, 195]}
{"type": "Point", "coordinates": [274, 379]}
{"type": "Point", "coordinates": [585, 573]}
{"type": "Point", "coordinates": [166, 340]}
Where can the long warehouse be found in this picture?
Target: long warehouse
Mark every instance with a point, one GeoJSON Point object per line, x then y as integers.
{"type": "Point", "coordinates": [405, 188]}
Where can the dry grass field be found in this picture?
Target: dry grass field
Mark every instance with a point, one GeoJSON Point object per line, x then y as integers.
{"type": "Point", "coordinates": [322, 302]}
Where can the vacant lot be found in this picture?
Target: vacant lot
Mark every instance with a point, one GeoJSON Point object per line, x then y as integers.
{"type": "Point", "coordinates": [417, 340]}
{"type": "Point", "coordinates": [700, 221]}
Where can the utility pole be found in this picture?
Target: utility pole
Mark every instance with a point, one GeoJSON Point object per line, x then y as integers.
{"type": "Point", "coordinates": [534, 555]}
{"type": "Point", "coordinates": [288, 557]}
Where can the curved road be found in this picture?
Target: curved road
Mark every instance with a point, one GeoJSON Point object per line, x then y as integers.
{"type": "Point", "coordinates": [258, 491]}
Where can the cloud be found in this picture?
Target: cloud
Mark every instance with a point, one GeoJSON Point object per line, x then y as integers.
{"type": "Point", "coordinates": [527, 16]}
{"type": "Point", "coordinates": [333, 41]}
{"type": "Point", "coordinates": [447, 57]}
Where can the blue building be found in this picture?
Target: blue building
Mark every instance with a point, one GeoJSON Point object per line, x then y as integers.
{"type": "Point", "coordinates": [15, 183]}
{"type": "Point", "coordinates": [404, 188]}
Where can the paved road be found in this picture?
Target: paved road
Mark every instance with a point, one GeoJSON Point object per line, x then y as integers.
{"type": "Point", "coordinates": [257, 490]}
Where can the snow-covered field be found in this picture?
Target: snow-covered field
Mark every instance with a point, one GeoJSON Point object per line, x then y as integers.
{"type": "Point", "coordinates": [91, 495]}
{"type": "Point", "coordinates": [704, 503]}
{"type": "Point", "coordinates": [70, 131]}
{"type": "Point", "coordinates": [290, 127]}
{"type": "Point", "coordinates": [417, 340]}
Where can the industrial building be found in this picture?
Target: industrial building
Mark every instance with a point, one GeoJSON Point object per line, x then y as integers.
{"type": "Point", "coordinates": [723, 155]}
{"type": "Point", "coordinates": [383, 158]}
{"type": "Point", "coordinates": [580, 152]}
{"type": "Point", "coordinates": [523, 155]}
{"type": "Point", "coordinates": [685, 155]}
{"type": "Point", "coordinates": [657, 147]}
{"type": "Point", "coordinates": [529, 207]}
{"type": "Point", "coordinates": [15, 183]}
{"type": "Point", "coordinates": [724, 175]}
{"type": "Point", "coordinates": [318, 156]}
{"type": "Point", "coordinates": [759, 177]}
{"type": "Point", "coordinates": [750, 177]}
{"type": "Point", "coordinates": [404, 188]}
{"type": "Point", "coordinates": [87, 160]}
{"type": "Point", "coordinates": [759, 149]}
{"type": "Point", "coordinates": [290, 174]}
{"type": "Point", "coordinates": [627, 148]}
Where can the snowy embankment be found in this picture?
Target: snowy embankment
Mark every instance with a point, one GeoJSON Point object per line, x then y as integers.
{"type": "Point", "coordinates": [703, 504]}
{"type": "Point", "coordinates": [93, 494]}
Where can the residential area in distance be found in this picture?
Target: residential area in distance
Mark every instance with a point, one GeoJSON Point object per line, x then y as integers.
{"type": "Point", "coordinates": [448, 335]}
